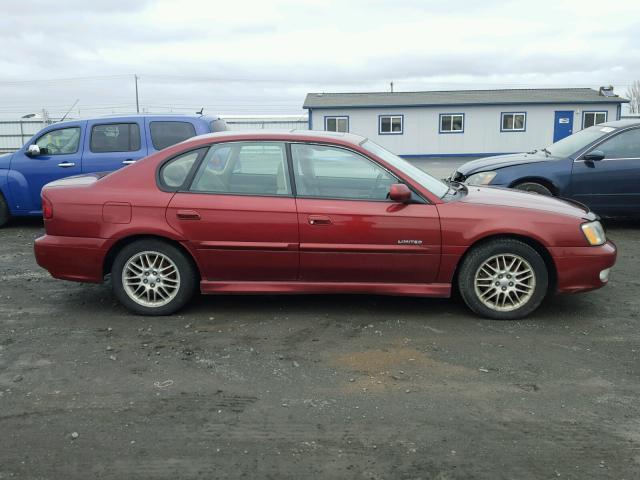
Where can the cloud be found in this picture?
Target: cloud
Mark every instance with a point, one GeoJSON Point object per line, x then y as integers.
{"type": "Point", "coordinates": [260, 57]}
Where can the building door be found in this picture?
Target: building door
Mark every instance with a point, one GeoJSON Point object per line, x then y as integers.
{"type": "Point", "coordinates": [563, 125]}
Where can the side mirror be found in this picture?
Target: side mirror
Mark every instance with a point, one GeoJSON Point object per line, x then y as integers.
{"type": "Point", "coordinates": [594, 155]}
{"type": "Point", "coordinates": [33, 150]}
{"type": "Point", "coordinates": [400, 193]}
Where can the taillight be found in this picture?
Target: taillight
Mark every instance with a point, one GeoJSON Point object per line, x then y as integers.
{"type": "Point", "coordinates": [47, 208]}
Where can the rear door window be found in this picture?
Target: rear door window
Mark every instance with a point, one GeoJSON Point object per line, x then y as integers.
{"type": "Point", "coordinates": [248, 168]}
{"type": "Point", "coordinates": [115, 137]}
{"type": "Point", "coordinates": [164, 133]}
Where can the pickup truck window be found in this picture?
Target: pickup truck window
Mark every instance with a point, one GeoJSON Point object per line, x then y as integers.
{"type": "Point", "coordinates": [165, 134]}
{"type": "Point", "coordinates": [62, 141]}
{"type": "Point", "coordinates": [115, 137]}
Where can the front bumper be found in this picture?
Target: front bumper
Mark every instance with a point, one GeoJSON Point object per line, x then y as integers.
{"type": "Point", "coordinates": [72, 258]}
{"type": "Point", "coordinates": [579, 268]}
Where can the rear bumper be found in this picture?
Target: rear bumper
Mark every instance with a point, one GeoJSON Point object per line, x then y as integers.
{"type": "Point", "coordinates": [72, 258]}
{"type": "Point", "coordinates": [579, 267]}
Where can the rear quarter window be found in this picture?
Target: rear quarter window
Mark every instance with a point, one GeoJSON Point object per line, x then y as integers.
{"type": "Point", "coordinates": [174, 173]}
{"type": "Point", "coordinates": [164, 134]}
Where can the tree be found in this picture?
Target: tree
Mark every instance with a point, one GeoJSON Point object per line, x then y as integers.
{"type": "Point", "coordinates": [633, 94]}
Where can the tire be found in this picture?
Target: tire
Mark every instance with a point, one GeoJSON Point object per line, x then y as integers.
{"type": "Point", "coordinates": [534, 187]}
{"type": "Point", "coordinates": [162, 279]}
{"type": "Point", "coordinates": [485, 265]}
{"type": "Point", "coordinates": [4, 211]}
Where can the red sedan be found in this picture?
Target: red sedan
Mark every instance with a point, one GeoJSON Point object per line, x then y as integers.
{"type": "Point", "coordinates": [313, 212]}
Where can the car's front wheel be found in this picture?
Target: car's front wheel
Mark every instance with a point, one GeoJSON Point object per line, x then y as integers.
{"type": "Point", "coordinates": [152, 277]}
{"type": "Point", "coordinates": [534, 187]}
{"type": "Point", "coordinates": [503, 279]}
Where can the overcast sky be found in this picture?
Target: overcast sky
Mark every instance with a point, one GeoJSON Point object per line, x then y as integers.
{"type": "Point", "coordinates": [262, 57]}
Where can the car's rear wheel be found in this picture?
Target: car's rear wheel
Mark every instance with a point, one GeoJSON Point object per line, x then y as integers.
{"type": "Point", "coordinates": [4, 211]}
{"type": "Point", "coordinates": [534, 187]}
{"type": "Point", "coordinates": [504, 279]}
{"type": "Point", "coordinates": [152, 277]}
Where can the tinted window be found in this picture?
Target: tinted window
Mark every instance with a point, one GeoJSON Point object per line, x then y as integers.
{"type": "Point", "coordinates": [115, 137]}
{"type": "Point", "coordinates": [175, 172]}
{"type": "Point", "coordinates": [329, 172]}
{"type": "Point", "coordinates": [165, 134]}
{"type": "Point", "coordinates": [623, 145]}
{"type": "Point", "coordinates": [60, 142]}
{"type": "Point", "coordinates": [255, 168]}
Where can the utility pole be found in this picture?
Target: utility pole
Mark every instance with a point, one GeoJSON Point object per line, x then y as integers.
{"type": "Point", "coordinates": [135, 77]}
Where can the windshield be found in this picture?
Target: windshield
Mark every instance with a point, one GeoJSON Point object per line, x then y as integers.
{"type": "Point", "coordinates": [432, 184]}
{"type": "Point", "coordinates": [573, 143]}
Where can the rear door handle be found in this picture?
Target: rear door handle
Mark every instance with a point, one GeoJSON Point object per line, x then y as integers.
{"type": "Point", "coordinates": [66, 164]}
{"type": "Point", "coordinates": [129, 161]}
{"type": "Point", "coordinates": [187, 215]}
{"type": "Point", "coordinates": [319, 220]}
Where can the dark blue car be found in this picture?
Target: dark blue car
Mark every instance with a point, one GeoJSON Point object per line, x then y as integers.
{"type": "Point", "coordinates": [598, 166]}
{"type": "Point", "coordinates": [84, 146]}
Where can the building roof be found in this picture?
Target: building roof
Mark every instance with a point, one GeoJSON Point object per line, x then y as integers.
{"type": "Point", "coordinates": [459, 97]}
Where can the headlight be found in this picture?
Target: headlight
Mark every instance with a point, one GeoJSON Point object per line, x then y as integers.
{"type": "Point", "coordinates": [594, 233]}
{"type": "Point", "coordinates": [481, 178]}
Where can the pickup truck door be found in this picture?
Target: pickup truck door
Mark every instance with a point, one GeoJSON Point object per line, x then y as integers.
{"type": "Point", "coordinates": [60, 156]}
{"type": "Point", "coordinates": [110, 145]}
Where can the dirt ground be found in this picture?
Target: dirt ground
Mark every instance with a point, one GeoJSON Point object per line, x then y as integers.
{"type": "Point", "coordinates": [360, 387]}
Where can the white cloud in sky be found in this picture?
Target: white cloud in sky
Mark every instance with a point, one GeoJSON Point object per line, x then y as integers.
{"type": "Point", "coordinates": [264, 56]}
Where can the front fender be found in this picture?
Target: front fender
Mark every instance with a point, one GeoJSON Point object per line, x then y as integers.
{"type": "Point", "coordinates": [554, 173]}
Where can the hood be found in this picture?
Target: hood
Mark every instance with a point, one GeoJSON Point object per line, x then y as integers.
{"type": "Point", "coordinates": [531, 201]}
{"type": "Point", "coordinates": [5, 159]}
{"type": "Point", "coordinates": [501, 161]}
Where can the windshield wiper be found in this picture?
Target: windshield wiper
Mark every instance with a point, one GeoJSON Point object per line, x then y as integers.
{"type": "Point", "coordinates": [547, 152]}
{"type": "Point", "coordinates": [533, 151]}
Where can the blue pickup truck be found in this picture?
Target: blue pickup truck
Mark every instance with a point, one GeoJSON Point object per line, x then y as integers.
{"type": "Point", "coordinates": [84, 146]}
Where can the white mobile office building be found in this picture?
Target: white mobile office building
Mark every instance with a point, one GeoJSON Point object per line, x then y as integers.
{"type": "Point", "coordinates": [463, 122]}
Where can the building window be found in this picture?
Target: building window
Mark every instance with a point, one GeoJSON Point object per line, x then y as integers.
{"type": "Point", "coordinates": [451, 122]}
{"type": "Point", "coordinates": [589, 119]}
{"type": "Point", "coordinates": [390, 124]}
{"type": "Point", "coordinates": [336, 124]}
{"type": "Point", "coordinates": [513, 122]}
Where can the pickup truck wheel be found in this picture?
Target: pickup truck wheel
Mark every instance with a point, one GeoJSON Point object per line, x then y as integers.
{"type": "Point", "coordinates": [534, 187]}
{"type": "Point", "coordinates": [152, 277]}
{"type": "Point", "coordinates": [4, 211]}
{"type": "Point", "coordinates": [504, 279]}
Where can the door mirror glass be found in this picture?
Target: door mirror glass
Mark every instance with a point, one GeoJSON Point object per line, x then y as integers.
{"type": "Point", "coordinates": [594, 155]}
{"type": "Point", "coordinates": [33, 150]}
{"type": "Point", "coordinates": [400, 193]}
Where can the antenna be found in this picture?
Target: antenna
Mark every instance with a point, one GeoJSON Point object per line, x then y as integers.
{"type": "Point", "coordinates": [391, 87]}
{"type": "Point", "coordinates": [69, 111]}
{"type": "Point", "coordinates": [200, 112]}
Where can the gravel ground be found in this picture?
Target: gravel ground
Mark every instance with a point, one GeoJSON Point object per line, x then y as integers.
{"type": "Point", "coordinates": [315, 386]}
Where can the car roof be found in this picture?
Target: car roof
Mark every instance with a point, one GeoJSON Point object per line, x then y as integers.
{"type": "Point", "coordinates": [285, 135]}
{"type": "Point", "coordinates": [629, 122]}
{"type": "Point", "coordinates": [135, 116]}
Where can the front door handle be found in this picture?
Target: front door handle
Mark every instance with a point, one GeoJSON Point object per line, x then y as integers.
{"type": "Point", "coordinates": [187, 215]}
{"type": "Point", "coordinates": [66, 164]}
{"type": "Point", "coordinates": [319, 220]}
{"type": "Point", "coordinates": [128, 161]}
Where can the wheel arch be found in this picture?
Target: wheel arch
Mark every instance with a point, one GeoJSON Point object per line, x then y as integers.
{"type": "Point", "coordinates": [532, 242]}
{"type": "Point", "coordinates": [128, 240]}
{"type": "Point", "coordinates": [555, 189]}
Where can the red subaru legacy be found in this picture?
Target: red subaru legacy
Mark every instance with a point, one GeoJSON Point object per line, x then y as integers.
{"type": "Point", "coordinates": [313, 212]}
